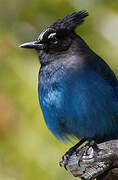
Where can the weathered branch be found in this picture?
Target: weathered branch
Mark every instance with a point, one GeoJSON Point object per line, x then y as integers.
{"type": "Point", "coordinates": [99, 161]}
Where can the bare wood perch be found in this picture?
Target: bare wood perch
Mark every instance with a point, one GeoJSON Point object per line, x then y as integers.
{"type": "Point", "coordinates": [99, 161]}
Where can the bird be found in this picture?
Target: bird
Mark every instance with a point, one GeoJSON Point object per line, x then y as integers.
{"type": "Point", "coordinates": [78, 91]}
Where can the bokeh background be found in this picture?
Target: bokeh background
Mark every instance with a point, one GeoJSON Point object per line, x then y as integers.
{"type": "Point", "coordinates": [28, 150]}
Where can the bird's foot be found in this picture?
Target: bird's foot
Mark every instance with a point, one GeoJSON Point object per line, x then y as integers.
{"type": "Point", "coordinates": [68, 154]}
{"type": "Point", "coordinates": [65, 158]}
{"type": "Point", "coordinates": [94, 145]}
{"type": "Point", "coordinates": [91, 144]}
{"type": "Point", "coordinates": [85, 150]}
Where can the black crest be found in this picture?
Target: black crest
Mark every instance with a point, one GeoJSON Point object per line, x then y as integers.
{"type": "Point", "coordinates": [70, 22]}
{"type": "Point", "coordinates": [66, 24]}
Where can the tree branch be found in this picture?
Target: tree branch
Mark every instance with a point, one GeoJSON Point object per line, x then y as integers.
{"type": "Point", "coordinates": [98, 161]}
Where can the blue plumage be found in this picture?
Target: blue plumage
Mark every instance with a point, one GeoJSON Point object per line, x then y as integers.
{"type": "Point", "coordinates": [78, 102]}
{"type": "Point", "coordinates": [78, 92]}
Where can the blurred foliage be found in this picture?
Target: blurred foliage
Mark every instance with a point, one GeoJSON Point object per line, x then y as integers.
{"type": "Point", "coordinates": [28, 150]}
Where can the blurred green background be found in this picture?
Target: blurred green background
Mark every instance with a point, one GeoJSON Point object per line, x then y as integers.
{"type": "Point", "coordinates": [28, 150]}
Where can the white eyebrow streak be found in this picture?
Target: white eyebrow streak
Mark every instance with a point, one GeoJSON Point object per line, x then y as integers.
{"type": "Point", "coordinates": [51, 35]}
{"type": "Point", "coordinates": [42, 35]}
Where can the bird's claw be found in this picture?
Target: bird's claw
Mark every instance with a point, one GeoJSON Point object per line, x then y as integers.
{"type": "Point", "coordinates": [94, 145]}
{"type": "Point", "coordinates": [64, 161]}
{"type": "Point", "coordinates": [65, 158]}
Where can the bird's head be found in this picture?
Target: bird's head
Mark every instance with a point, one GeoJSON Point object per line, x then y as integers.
{"type": "Point", "coordinates": [57, 38]}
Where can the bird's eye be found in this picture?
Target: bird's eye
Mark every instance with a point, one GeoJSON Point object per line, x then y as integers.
{"type": "Point", "coordinates": [52, 37]}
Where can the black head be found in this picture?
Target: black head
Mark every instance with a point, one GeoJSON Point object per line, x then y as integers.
{"type": "Point", "coordinates": [57, 38]}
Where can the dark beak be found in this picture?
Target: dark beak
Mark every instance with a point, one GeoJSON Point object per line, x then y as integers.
{"type": "Point", "coordinates": [32, 45]}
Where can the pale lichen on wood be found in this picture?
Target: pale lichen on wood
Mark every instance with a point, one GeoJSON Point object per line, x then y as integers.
{"type": "Point", "coordinates": [98, 161]}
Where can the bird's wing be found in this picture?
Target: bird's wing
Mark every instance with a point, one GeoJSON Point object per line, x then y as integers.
{"type": "Point", "coordinates": [98, 65]}
{"type": "Point", "coordinates": [91, 102]}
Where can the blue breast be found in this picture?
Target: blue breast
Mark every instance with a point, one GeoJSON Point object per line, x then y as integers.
{"type": "Point", "coordinates": [79, 103]}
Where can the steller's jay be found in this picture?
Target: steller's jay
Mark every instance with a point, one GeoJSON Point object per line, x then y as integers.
{"type": "Point", "coordinates": [78, 92]}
